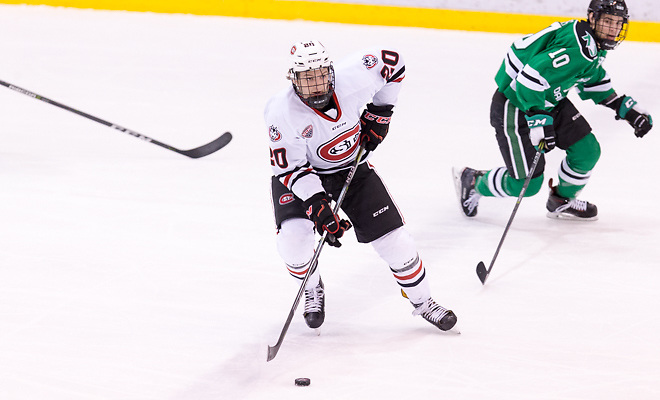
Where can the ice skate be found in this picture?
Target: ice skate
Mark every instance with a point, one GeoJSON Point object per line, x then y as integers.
{"type": "Point", "coordinates": [571, 209]}
{"type": "Point", "coordinates": [315, 306]}
{"type": "Point", "coordinates": [437, 315]}
{"type": "Point", "coordinates": [464, 181]}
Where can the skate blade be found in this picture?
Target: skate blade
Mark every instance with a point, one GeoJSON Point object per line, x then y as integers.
{"type": "Point", "coordinates": [569, 217]}
{"type": "Point", "coordinates": [317, 331]}
{"type": "Point", "coordinates": [456, 174]}
{"type": "Point", "coordinates": [454, 330]}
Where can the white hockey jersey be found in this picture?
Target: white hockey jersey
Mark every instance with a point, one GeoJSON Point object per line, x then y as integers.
{"type": "Point", "coordinates": [305, 142]}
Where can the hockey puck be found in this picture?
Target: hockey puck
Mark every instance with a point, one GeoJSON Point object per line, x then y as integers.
{"type": "Point", "coordinates": [303, 381]}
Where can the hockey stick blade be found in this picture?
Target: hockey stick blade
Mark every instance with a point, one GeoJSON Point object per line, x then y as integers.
{"type": "Point", "coordinates": [482, 273]}
{"type": "Point", "coordinates": [208, 148]}
{"type": "Point", "coordinates": [272, 352]}
{"type": "Point", "coordinates": [197, 152]}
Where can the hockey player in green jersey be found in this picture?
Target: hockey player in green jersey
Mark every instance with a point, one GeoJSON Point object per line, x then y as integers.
{"type": "Point", "coordinates": [530, 111]}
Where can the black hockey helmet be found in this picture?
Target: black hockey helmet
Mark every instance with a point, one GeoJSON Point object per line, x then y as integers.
{"type": "Point", "coordinates": [608, 7]}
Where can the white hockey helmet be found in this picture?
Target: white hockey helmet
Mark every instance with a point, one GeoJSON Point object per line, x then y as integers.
{"type": "Point", "coordinates": [310, 58]}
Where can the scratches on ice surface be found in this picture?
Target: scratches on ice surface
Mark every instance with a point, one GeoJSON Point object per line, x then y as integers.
{"type": "Point", "coordinates": [127, 272]}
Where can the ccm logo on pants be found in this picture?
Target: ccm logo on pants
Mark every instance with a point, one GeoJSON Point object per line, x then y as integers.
{"type": "Point", "coordinates": [382, 210]}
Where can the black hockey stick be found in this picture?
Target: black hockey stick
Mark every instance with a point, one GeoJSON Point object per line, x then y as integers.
{"type": "Point", "coordinates": [272, 350]}
{"type": "Point", "coordinates": [482, 273]}
{"type": "Point", "coordinates": [197, 152]}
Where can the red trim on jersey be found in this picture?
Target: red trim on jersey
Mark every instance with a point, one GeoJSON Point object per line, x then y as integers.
{"type": "Point", "coordinates": [322, 115]}
{"type": "Point", "coordinates": [288, 177]}
{"type": "Point", "coordinates": [286, 180]}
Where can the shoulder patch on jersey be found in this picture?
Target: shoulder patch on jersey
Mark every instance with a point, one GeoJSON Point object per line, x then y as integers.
{"type": "Point", "coordinates": [274, 133]}
{"type": "Point", "coordinates": [369, 61]}
{"type": "Point", "coordinates": [585, 38]}
{"type": "Point", "coordinates": [308, 132]}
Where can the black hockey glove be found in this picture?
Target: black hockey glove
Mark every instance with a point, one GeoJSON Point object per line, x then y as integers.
{"type": "Point", "coordinates": [626, 108]}
{"type": "Point", "coordinates": [375, 122]}
{"type": "Point", "coordinates": [319, 211]}
{"type": "Point", "coordinates": [541, 131]}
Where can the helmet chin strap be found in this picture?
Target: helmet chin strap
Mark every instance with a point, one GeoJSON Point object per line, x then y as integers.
{"type": "Point", "coordinates": [318, 101]}
{"type": "Point", "coordinates": [604, 43]}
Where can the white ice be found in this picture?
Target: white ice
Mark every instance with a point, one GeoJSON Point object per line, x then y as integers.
{"type": "Point", "coordinates": [129, 272]}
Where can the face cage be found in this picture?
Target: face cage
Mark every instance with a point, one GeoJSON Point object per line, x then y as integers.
{"type": "Point", "coordinates": [319, 100]}
{"type": "Point", "coordinates": [607, 44]}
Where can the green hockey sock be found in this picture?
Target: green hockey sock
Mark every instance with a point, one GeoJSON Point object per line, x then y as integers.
{"type": "Point", "coordinates": [575, 169]}
{"type": "Point", "coordinates": [498, 183]}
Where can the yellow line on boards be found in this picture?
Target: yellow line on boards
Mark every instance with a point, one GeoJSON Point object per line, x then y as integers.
{"type": "Point", "coordinates": [347, 13]}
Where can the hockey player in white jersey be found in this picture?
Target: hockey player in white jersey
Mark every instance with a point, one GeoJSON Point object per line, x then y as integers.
{"type": "Point", "coordinates": [316, 127]}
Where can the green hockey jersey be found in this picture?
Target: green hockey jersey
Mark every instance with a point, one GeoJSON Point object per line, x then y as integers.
{"type": "Point", "coordinates": [540, 69]}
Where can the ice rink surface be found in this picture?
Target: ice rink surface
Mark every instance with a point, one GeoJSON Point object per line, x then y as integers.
{"type": "Point", "coordinates": [129, 272]}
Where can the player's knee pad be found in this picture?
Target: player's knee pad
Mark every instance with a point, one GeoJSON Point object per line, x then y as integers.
{"type": "Point", "coordinates": [396, 247]}
{"type": "Point", "coordinates": [295, 241]}
{"type": "Point", "coordinates": [583, 155]}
